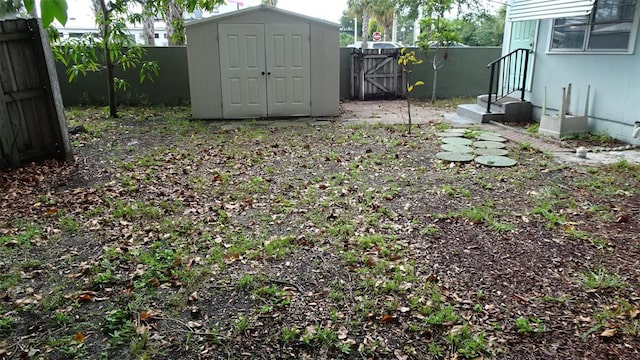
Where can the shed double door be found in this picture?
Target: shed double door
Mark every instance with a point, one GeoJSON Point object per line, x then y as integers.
{"type": "Point", "coordinates": [265, 70]}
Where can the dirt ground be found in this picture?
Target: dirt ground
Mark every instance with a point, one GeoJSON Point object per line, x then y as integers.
{"type": "Point", "coordinates": [390, 112]}
{"type": "Point", "coordinates": [169, 238]}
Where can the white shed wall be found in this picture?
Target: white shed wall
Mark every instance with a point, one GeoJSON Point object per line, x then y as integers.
{"type": "Point", "coordinates": [204, 60]}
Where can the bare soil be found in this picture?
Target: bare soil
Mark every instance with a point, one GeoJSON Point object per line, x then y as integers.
{"type": "Point", "coordinates": [175, 239]}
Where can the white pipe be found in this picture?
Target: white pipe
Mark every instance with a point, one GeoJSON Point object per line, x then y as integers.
{"type": "Point", "coordinates": [636, 130]}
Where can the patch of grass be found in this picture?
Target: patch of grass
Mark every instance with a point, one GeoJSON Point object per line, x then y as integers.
{"type": "Point", "coordinates": [533, 128]}
{"type": "Point", "coordinates": [246, 281]}
{"type": "Point", "coordinates": [465, 343]}
{"type": "Point", "coordinates": [22, 238]}
{"type": "Point", "coordinates": [119, 327]}
{"type": "Point", "coordinates": [279, 247]}
{"type": "Point", "coordinates": [596, 241]}
{"type": "Point", "coordinates": [429, 230]}
{"type": "Point", "coordinates": [68, 224]}
{"type": "Point", "coordinates": [241, 324]}
{"type": "Point", "coordinates": [529, 325]}
{"type": "Point", "coordinates": [446, 314]}
{"type": "Point", "coordinates": [289, 334]}
{"type": "Point", "coordinates": [6, 325]}
{"type": "Point", "coordinates": [600, 279]}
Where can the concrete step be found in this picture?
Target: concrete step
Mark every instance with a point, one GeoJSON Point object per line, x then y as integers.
{"type": "Point", "coordinates": [478, 113]}
{"type": "Point", "coordinates": [459, 120]}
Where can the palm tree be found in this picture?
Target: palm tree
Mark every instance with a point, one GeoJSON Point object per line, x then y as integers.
{"type": "Point", "coordinates": [383, 11]}
{"type": "Point", "coordinates": [361, 8]}
{"type": "Point", "coordinates": [9, 8]}
{"type": "Point", "coordinates": [173, 15]}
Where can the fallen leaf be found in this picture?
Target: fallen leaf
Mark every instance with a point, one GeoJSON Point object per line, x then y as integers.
{"type": "Point", "coordinates": [521, 298]}
{"type": "Point", "coordinates": [622, 219]}
{"type": "Point", "coordinates": [193, 297]}
{"type": "Point", "coordinates": [634, 313]}
{"type": "Point", "coordinates": [400, 355]}
{"type": "Point", "coordinates": [456, 330]}
{"type": "Point", "coordinates": [387, 319]}
{"type": "Point", "coordinates": [609, 333]}
{"type": "Point", "coordinates": [78, 338]}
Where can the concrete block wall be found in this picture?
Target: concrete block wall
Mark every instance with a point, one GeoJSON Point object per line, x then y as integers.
{"type": "Point", "coordinates": [465, 74]}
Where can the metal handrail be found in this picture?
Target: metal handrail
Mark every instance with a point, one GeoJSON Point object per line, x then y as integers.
{"type": "Point", "coordinates": [510, 67]}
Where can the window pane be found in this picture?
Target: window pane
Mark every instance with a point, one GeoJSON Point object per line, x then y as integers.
{"type": "Point", "coordinates": [614, 11]}
{"type": "Point", "coordinates": [610, 36]}
{"type": "Point", "coordinates": [569, 37]}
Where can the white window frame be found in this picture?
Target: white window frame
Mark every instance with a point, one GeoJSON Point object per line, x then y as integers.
{"type": "Point", "coordinates": [589, 24]}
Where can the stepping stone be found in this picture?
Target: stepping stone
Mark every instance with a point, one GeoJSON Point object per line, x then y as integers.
{"type": "Point", "coordinates": [489, 137]}
{"type": "Point", "coordinates": [449, 134]}
{"type": "Point", "coordinates": [456, 148]}
{"type": "Point", "coordinates": [499, 161]}
{"type": "Point", "coordinates": [491, 152]}
{"type": "Point", "coordinates": [489, 144]}
{"type": "Point", "coordinates": [457, 141]}
{"type": "Point", "coordinates": [456, 130]}
{"type": "Point", "coordinates": [455, 156]}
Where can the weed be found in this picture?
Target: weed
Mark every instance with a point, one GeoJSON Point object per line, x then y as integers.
{"type": "Point", "coordinates": [465, 343]}
{"type": "Point", "coordinates": [533, 128]}
{"type": "Point", "coordinates": [524, 146]}
{"type": "Point", "coordinates": [289, 335]}
{"type": "Point", "coordinates": [6, 325]}
{"type": "Point", "coordinates": [530, 325]}
{"type": "Point", "coordinates": [279, 247]}
{"type": "Point", "coordinates": [446, 314]}
{"type": "Point", "coordinates": [600, 279]}
{"type": "Point", "coordinates": [246, 281]}
{"type": "Point", "coordinates": [68, 224]}
{"type": "Point", "coordinates": [242, 324]}
{"type": "Point", "coordinates": [501, 227]}
{"type": "Point", "coordinates": [429, 230]}
{"type": "Point", "coordinates": [118, 325]}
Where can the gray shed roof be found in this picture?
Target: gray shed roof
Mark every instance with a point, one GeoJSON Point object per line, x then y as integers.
{"type": "Point", "coordinates": [263, 7]}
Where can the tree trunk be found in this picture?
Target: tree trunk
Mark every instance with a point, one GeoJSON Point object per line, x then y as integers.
{"type": "Point", "coordinates": [365, 28]}
{"type": "Point", "coordinates": [435, 79]}
{"type": "Point", "coordinates": [175, 23]}
{"type": "Point", "coordinates": [105, 26]}
{"type": "Point", "coordinates": [409, 112]}
{"type": "Point", "coordinates": [148, 29]}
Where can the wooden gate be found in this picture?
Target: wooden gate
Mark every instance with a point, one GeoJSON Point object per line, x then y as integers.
{"type": "Point", "coordinates": [375, 74]}
{"type": "Point", "coordinates": [32, 123]}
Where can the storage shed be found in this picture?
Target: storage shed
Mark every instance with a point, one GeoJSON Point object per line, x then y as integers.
{"type": "Point", "coordinates": [263, 62]}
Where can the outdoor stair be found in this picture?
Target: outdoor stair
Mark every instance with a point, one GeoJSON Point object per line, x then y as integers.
{"type": "Point", "coordinates": [506, 109]}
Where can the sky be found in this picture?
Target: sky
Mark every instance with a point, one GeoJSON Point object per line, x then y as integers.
{"type": "Point", "coordinates": [330, 10]}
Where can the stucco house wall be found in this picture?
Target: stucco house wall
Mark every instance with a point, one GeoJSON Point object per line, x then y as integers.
{"type": "Point", "coordinates": [613, 77]}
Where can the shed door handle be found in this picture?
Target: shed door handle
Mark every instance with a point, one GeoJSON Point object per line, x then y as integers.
{"type": "Point", "coordinates": [263, 73]}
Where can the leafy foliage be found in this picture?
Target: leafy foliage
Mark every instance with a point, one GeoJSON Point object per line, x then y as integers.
{"type": "Point", "coordinates": [481, 29]}
{"type": "Point", "coordinates": [111, 48]}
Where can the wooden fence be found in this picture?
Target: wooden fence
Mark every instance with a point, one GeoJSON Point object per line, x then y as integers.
{"type": "Point", "coordinates": [375, 74]}
{"type": "Point", "coordinates": [32, 123]}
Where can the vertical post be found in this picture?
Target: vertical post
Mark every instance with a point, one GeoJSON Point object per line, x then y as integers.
{"type": "Point", "coordinates": [394, 30]}
{"type": "Point", "coordinates": [493, 67]}
{"type": "Point", "coordinates": [524, 77]}
{"type": "Point", "coordinates": [355, 31]}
